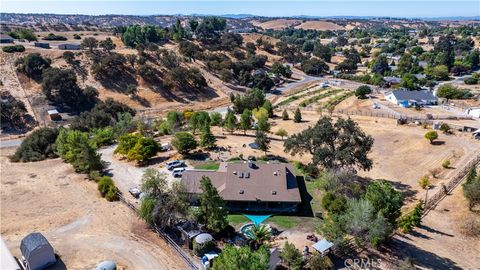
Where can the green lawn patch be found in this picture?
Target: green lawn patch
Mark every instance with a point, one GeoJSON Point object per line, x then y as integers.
{"type": "Point", "coordinates": [284, 222]}
{"type": "Point", "coordinates": [237, 219]}
{"type": "Point", "coordinates": [208, 166]}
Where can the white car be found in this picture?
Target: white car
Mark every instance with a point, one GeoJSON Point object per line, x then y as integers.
{"type": "Point", "coordinates": [178, 172]}
{"type": "Point", "coordinates": [174, 164]}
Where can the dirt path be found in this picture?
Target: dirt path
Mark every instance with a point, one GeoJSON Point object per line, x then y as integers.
{"type": "Point", "coordinates": [83, 228]}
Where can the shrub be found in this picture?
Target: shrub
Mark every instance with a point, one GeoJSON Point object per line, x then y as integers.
{"type": "Point", "coordinates": [184, 142]}
{"type": "Point", "coordinates": [452, 92]}
{"type": "Point", "coordinates": [215, 119]}
{"type": "Point", "coordinates": [363, 91]}
{"type": "Point", "coordinates": [201, 249]}
{"type": "Point", "coordinates": [470, 80]}
{"type": "Point", "coordinates": [52, 36]}
{"type": "Point", "coordinates": [431, 136]}
{"type": "Point", "coordinates": [32, 65]}
{"type": "Point", "coordinates": [13, 48]}
{"type": "Point", "coordinates": [445, 128]}
{"type": "Point", "coordinates": [37, 146]}
{"type": "Point", "coordinates": [446, 164]}
{"type": "Point", "coordinates": [412, 219]}
{"type": "Point", "coordinates": [112, 194]}
{"type": "Point", "coordinates": [104, 185]}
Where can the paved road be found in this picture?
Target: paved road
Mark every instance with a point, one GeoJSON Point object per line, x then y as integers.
{"type": "Point", "coordinates": [10, 143]}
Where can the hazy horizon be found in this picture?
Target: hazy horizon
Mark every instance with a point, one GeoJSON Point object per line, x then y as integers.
{"type": "Point", "coordinates": [388, 8]}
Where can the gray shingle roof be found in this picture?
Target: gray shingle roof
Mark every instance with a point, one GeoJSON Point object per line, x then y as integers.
{"type": "Point", "coordinates": [31, 242]}
{"type": "Point", "coordinates": [274, 182]}
{"type": "Point", "coordinates": [413, 95]}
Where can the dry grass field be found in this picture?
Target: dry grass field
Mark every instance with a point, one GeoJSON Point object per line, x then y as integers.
{"type": "Point", "coordinates": [83, 228]}
{"type": "Point", "coordinates": [276, 24]}
{"type": "Point", "coordinates": [319, 25]}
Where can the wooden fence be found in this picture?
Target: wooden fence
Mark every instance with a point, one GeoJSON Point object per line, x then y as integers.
{"type": "Point", "coordinates": [450, 185]}
{"type": "Point", "coordinates": [191, 264]}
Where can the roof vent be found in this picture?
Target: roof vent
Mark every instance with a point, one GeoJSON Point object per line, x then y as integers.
{"type": "Point", "coordinates": [241, 191]}
{"type": "Point", "coordinates": [274, 192]}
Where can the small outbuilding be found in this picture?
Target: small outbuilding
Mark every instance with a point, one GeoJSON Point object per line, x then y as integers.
{"type": "Point", "coordinates": [54, 115]}
{"type": "Point", "coordinates": [203, 238]}
{"type": "Point", "coordinates": [69, 47]}
{"type": "Point", "coordinates": [5, 39]}
{"type": "Point", "coordinates": [43, 45]}
{"type": "Point", "coordinates": [323, 246]}
{"type": "Point", "coordinates": [37, 251]}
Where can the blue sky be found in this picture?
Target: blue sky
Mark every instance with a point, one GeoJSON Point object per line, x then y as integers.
{"type": "Point", "coordinates": [394, 8]}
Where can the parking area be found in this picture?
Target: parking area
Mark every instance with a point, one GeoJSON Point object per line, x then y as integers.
{"type": "Point", "coordinates": [126, 175]}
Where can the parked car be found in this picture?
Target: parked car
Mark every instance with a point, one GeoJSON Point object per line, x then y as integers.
{"type": "Point", "coordinates": [178, 172]}
{"type": "Point", "coordinates": [135, 192]}
{"type": "Point", "coordinates": [174, 164]}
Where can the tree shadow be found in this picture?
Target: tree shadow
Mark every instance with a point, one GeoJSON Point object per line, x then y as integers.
{"type": "Point", "coordinates": [438, 142]}
{"type": "Point", "coordinates": [432, 230]}
{"type": "Point", "coordinates": [407, 192]}
{"type": "Point", "coordinates": [119, 83]}
{"type": "Point", "coordinates": [400, 249]}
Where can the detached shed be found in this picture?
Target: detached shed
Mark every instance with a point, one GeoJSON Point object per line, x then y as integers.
{"type": "Point", "coordinates": [323, 246]}
{"type": "Point", "coordinates": [54, 115]}
{"type": "Point", "coordinates": [37, 251]}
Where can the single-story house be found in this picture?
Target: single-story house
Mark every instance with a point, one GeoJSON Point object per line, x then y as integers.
{"type": "Point", "coordinates": [249, 186]}
{"type": "Point", "coordinates": [407, 98]}
{"type": "Point", "coordinates": [5, 39]}
{"type": "Point", "coordinates": [44, 45]}
{"type": "Point", "coordinates": [7, 261]}
{"type": "Point", "coordinates": [37, 251]}
{"type": "Point", "coordinates": [69, 46]}
{"type": "Point", "coordinates": [392, 80]}
{"type": "Point", "coordinates": [475, 112]}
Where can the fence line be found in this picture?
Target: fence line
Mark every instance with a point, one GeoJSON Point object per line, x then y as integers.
{"type": "Point", "coordinates": [163, 235]}
{"type": "Point", "coordinates": [450, 185]}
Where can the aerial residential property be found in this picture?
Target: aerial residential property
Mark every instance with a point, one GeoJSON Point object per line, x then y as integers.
{"type": "Point", "coordinates": [239, 135]}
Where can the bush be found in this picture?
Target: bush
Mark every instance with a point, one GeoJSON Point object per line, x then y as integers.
{"type": "Point", "coordinates": [33, 65]}
{"type": "Point", "coordinates": [184, 142]}
{"type": "Point", "coordinates": [13, 48]}
{"type": "Point", "coordinates": [412, 219]}
{"type": "Point", "coordinates": [112, 194]}
{"type": "Point", "coordinates": [445, 128]}
{"type": "Point", "coordinates": [452, 92]}
{"type": "Point", "coordinates": [446, 164]}
{"type": "Point", "coordinates": [107, 188]}
{"type": "Point", "coordinates": [201, 249]}
{"type": "Point", "coordinates": [431, 136]}
{"type": "Point", "coordinates": [52, 36]}
{"type": "Point", "coordinates": [37, 146]}
{"type": "Point", "coordinates": [470, 80]}
{"type": "Point", "coordinates": [363, 91]}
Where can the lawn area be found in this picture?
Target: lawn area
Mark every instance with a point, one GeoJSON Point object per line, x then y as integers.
{"type": "Point", "coordinates": [284, 222]}
{"type": "Point", "coordinates": [312, 189]}
{"type": "Point", "coordinates": [213, 166]}
{"type": "Point", "coordinates": [237, 219]}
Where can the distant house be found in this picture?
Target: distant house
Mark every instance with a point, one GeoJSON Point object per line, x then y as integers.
{"type": "Point", "coordinates": [250, 186]}
{"type": "Point", "coordinates": [73, 47]}
{"type": "Point", "coordinates": [37, 251]}
{"type": "Point", "coordinates": [392, 80]}
{"type": "Point", "coordinates": [407, 98]}
{"type": "Point", "coordinates": [5, 39]}
{"type": "Point", "coordinates": [475, 112]}
{"type": "Point", "coordinates": [44, 45]}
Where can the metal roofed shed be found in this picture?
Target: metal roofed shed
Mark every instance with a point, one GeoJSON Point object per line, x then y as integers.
{"type": "Point", "coordinates": [323, 246]}
{"type": "Point", "coordinates": [37, 251]}
{"type": "Point", "coordinates": [5, 39]}
{"type": "Point", "coordinates": [54, 115]}
{"type": "Point", "coordinates": [7, 261]}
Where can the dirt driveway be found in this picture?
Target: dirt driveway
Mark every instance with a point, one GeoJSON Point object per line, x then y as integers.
{"type": "Point", "coordinates": [83, 228]}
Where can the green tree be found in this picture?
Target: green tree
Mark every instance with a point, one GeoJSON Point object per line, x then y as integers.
{"type": "Point", "coordinates": [258, 234]}
{"type": "Point", "coordinates": [281, 132]}
{"type": "Point", "coordinates": [297, 117]}
{"type": "Point", "coordinates": [263, 124]}
{"type": "Point", "coordinates": [212, 207]}
{"type": "Point", "coordinates": [146, 209]}
{"type": "Point", "coordinates": [262, 141]}
{"type": "Point", "coordinates": [471, 187]}
{"type": "Point", "coordinates": [291, 256]}
{"type": "Point", "coordinates": [431, 136]}
{"type": "Point", "coordinates": [425, 184]}
{"type": "Point", "coordinates": [320, 262]}
{"type": "Point", "coordinates": [107, 45]}
{"type": "Point", "coordinates": [207, 139]}
{"type": "Point", "coordinates": [243, 258]}
{"type": "Point", "coordinates": [246, 121]}
{"type": "Point", "coordinates": [267, 105]}
{"type": "Point", "coordinates": [363, 91]}
{"type": "Point", "coordinates": [409, 81]}
{"type": "Point", "coordinates": [230, 122]}
{"type": "Point", "coordinates": [184, 142]}
{"type": "Point", "coordinates": [216, 119]}
{"type": "Point", "coordinates": [33, 65]}
{"type": "Point", "coordinates": [385, 199]}
{"type": "Point", "coordinates": [38, 145]}
{"type": "Point", "coordinates": [75, 148]}
{"type": "Point", "coordinates": [326, 142]}
{"type": "Point", "coordinates": [144, 149]}
{"type": "Point", "coordinates": [285, 115]}
{"type": "Point", "coordinates": [154, 183]}
{"type": "Point", "coordinates": [411, 219]}
{"type": "Point", "coordinates": [89, 43]}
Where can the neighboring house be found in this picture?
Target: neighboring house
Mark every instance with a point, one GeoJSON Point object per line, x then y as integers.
{"type": "Point", "coordinates": [37, 251]}
{"type": "Point", "coordinates": [392, 80]}
{"type": "Point", "coordinates": [475, 112]}
{"type": "Point", "coordinates": [42, 45]}
{"type": "Point", "coordinates": [250, 186]}
{"type": "Point", "coordinates": [5, 39]}
{"type": "Point", "coordinates": [69, 46]}
{"type": "Point", "coordinates": [407, 98]}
